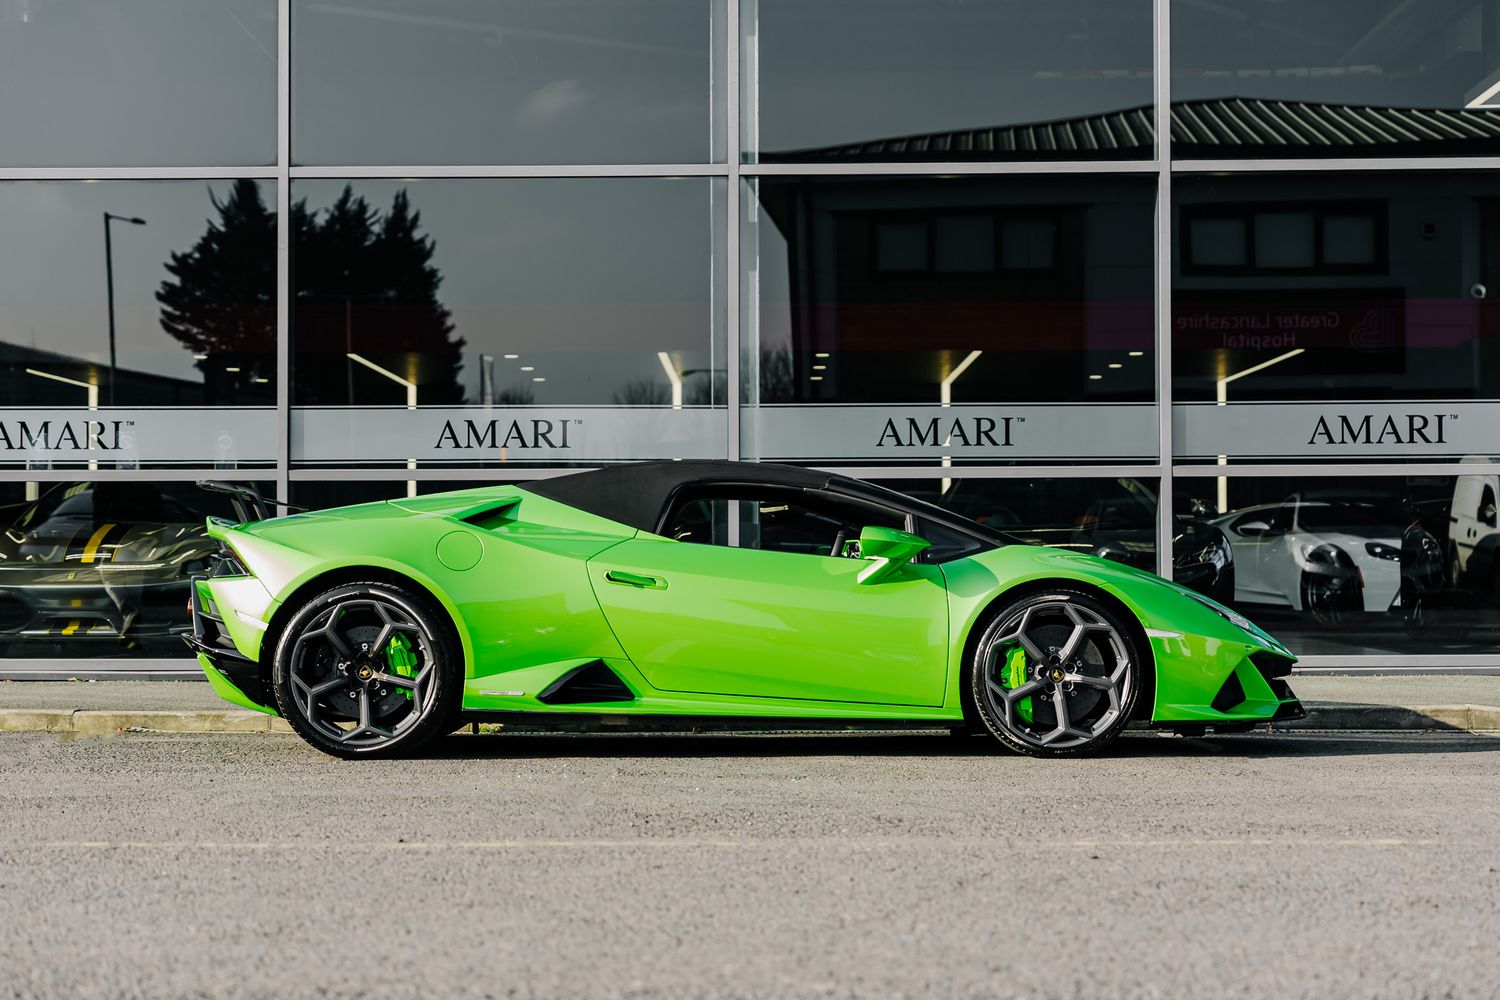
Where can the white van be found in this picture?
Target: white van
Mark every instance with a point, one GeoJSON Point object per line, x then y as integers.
{"type": "Point", "coordinates": [1473, 528]}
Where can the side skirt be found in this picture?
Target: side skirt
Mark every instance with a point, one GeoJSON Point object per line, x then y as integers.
{"type": "Point", "coordinates": [583, 722]}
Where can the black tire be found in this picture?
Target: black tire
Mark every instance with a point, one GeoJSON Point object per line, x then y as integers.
{"type": "Point", "coordinates": [1335, 604]}
{"type": "Point", "coordinates": [1099, 684]}
{"type": "Point", "coordinates": [346, 698]}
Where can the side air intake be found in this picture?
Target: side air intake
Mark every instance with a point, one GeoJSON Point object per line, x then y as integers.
{"type": "Point", "coordinates": [585, 685]}
{"type": "Point", "coordinates": [1230, 695]}
{"type": "Point", "coordinates": [1274, 669]}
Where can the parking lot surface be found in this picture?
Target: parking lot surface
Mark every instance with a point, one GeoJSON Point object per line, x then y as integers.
{"type": "Point", "coordinates": [1298, 865]}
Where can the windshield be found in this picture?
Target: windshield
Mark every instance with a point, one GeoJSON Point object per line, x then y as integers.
{"type": "Point", "coordinates": [1030, 505]}
{"type": "Point", "coordinates": [101, 502]}
{"type": "Point", "coordinates": [1361, 517]}
{"type": "Point", "coordinates": [923, 509]}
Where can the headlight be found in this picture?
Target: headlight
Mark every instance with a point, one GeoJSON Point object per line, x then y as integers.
{"type": "Point", "coordinates": [1214, 553]}
{"type": "Point", "coordinates": [1380, 550]}
{"type": "Point", "coordinates": [1199, 544]}
{"type": "Point", "coordinates": [1327, 554]}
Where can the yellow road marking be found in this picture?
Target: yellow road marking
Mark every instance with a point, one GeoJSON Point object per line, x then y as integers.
{"type": "Point", "coordinates": [72, 627]}
{"type": "Point", "coordinates": [92, 548]}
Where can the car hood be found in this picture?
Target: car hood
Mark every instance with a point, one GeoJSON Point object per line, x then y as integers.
{"type": "Point", "coordinates": [1354, 544]}
{"type": "Point", "coordinates": [1160, 604]}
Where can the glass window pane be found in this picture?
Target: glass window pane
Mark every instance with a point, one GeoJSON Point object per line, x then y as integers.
{"type": "Point", "coordinates": [948, 80]}
{"type": "Point", "coordinates": [521, 81]}
{"type": "Point", "coordinates": [862, 344]}
{"type": "Point", "coordinates": [149, 83]}
{"type": "Point", "coordinates": [901, 246]}
{"type": "Point", "coordinates": [1333, 78]}
{"type": "Point", "coordinates": [1217, 242]}
{"type": "Point", "coordinates": [558, 320]}
{"type": "Point", "coordinates": [1028, 246]}
{"type": "Point", "coordinates": [1347, 567]}
{"type": "Point", "coordinates": [1362, 328]}
{"type": "Point", "coordinates": [1284, 239]}
{"type": "Point", "coordinates": [1349, 239]}
{"type": "Point", "coordinates": [121, 297]}
{"type": "Point", "coordinates": [965, 244]}
{"type": "Point", "coordinates": [129, 599]}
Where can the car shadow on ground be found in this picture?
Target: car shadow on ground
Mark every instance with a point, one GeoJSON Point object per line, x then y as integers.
{"type": "Point", "coordinates": [533, 746]}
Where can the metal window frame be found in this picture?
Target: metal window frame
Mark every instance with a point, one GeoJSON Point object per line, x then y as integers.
{"type": "Point", "coordinates": [736, 173]}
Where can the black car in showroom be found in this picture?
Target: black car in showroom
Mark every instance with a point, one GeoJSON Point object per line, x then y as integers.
{"type": "Point", "coordinates": [98, 561]}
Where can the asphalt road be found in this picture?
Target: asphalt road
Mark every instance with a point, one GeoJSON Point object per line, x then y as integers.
{"type": "Point", "coordinates": [881, 866]}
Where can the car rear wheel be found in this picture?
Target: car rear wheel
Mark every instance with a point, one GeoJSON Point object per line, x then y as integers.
{"type": "Point", "coordinates": [1056, 674]}
{"type": "Point", "coordinates": [368, 670]}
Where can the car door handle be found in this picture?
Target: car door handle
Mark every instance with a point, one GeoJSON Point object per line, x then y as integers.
{"type": "Point", "coordinates": [635, 580]}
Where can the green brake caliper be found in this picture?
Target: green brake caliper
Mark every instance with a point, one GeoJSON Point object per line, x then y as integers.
{"type": "Point", "coordinates": [403, 659]}
{"type": "Point", "coordinates": [1015, 676]}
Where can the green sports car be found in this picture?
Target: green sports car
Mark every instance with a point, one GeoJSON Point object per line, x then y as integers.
{"type": "Point", "coordinates": [695, 593]}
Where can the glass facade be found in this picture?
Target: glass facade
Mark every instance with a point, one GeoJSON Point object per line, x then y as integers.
{"type": "Point", "coordinates": [1219, 309]}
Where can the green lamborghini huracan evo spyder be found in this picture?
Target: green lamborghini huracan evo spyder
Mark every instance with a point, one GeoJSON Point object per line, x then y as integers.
{"type": "Point", "coordinates": [693, 593]}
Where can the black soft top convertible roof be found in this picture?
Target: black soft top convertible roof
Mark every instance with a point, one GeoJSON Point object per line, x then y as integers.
{"type": "Point", "coordinates": [636, 494]}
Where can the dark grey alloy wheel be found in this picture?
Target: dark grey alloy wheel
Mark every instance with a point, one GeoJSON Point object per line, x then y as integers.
{"type": "Point", "coordinates": [367, 668]}
{"type": "Point", "coordinates": [1056, 675]}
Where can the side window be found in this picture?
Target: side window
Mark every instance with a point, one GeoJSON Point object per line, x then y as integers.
{"type": "Point", "coordinates": [704, 521]}
{"type": "Point", "coordinates": [1281, 518]}
{"type": "Point", "coordinates": [947, 544]}
{"type": "Point", "coordinates": [1486, 510]}
{"type": "Point", "coordinates": [773, 520]}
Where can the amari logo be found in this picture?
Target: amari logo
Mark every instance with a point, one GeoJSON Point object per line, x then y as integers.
{"type": "Point", "coordinates": [467, 434]}
{"type": "Point", "coordinates": [1408, 428]}
{"type": "Point", "coordinates": [935, 432]}
{"type": "Point", "coordinates": [61, 435]}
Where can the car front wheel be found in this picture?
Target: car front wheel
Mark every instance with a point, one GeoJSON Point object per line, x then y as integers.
{"type": "Point", "coordinates": [1056, 674]}
{"type": "Point", "coordinates": [367, 670]}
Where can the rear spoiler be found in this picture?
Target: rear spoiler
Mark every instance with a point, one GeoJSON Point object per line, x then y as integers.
{"type": "Point", "coordinates": [249, 505]}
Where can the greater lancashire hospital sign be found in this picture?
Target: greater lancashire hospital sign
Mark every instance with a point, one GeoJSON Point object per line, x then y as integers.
{"type": "Point", "coordinates": [225, 437]}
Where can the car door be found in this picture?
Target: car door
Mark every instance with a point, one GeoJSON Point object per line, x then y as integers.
{"type": "Point", "coordinates": [1250, 543]}
{"type": "Point", "coordinates": [776, 614]}
{"type": "Point", "coordinates": [1473, 516]}
{"type": "Point", "coordinates": [1280, 566]}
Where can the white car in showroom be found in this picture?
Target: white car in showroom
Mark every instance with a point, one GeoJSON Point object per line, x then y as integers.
{"type": "Point", "coordinates": [1327, 554]}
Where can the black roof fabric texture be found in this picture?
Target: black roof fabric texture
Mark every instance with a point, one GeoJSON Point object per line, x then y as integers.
{"type": "Point", "coordinates": [635, 494]}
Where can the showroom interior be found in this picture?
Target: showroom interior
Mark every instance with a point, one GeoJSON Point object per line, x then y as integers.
{"type": "Point", "coordinates": [1206, 288]}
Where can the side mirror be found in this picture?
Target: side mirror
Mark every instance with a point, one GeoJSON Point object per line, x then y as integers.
{"type": "Point", "coordinates": [1487, 514]}
{"type": "Point", "coordinates": [887, 550]}
{"type": "Point", "coordinates": [1254, 529]}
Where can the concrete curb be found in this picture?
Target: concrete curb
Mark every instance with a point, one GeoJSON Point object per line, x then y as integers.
{"type": "Point", "coordinates": [1320, 716]}
{"type": "Point", "coordinates": [64, 720]}
{"type": "Point", "coordinates": [1336, 715]}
